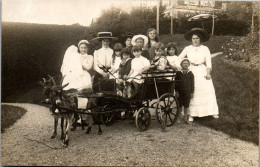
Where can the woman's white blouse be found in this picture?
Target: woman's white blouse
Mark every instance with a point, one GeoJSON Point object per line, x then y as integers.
{"type": "Point", "coordinates": [87, 61]}
{"type": "Point", "coordinates": [197, 55]}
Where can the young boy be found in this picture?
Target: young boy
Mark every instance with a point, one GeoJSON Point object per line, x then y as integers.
{"type": "Point", "coordinates": [184, 87]}
{"type": "Point", "coordinates": [124, 70]}
{"type": "Point", "coordinates": [142, 41]}
{"type": "Point", "coordinates": [139, 65]}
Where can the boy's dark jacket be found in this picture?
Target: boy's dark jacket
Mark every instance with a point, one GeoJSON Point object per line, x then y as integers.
{"type": "Point", "coordinates": [184, 81]}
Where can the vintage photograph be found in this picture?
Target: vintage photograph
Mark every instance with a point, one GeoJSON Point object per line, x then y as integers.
{"type": "Point", "coordinates": [130, 83]}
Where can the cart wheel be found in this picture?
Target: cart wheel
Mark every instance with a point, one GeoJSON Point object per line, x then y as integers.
{"type": "Point", "coordinates": [167, 110]}
{"type": "Point", "coordinates": [107, 118]}
{"type": "Point", "coordinates": [143, 119]}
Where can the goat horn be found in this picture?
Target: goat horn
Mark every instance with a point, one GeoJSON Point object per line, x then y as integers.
{"type": "Point", "coordinates": [62, 80]}
{"type": "Point", "coordinates": [44, 80]}
{"type": "Point", "coordinates": [53, 81]}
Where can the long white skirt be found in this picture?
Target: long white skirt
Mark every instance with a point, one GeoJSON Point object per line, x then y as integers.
{"type": "Point", "coordinates": [78, 81]}
{"type": "Point", "coordinates": [204, 101]}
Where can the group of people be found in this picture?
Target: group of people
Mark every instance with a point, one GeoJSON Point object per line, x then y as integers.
{"type": "Point", "coordinates": [138, 53]}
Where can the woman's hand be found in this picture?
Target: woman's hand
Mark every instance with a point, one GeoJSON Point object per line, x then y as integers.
{"type": "Point", "coordinates": [105, 75]}
{"type": "Point", "coordinates": [208, 76]}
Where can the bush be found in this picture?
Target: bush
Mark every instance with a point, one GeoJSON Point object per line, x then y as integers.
{"type": "Point", "coordinates": [9, 115]}
{"type": "Point", "coordinates": [242, 48]}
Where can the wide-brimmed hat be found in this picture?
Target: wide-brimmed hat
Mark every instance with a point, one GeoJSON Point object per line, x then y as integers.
{"type": "Point", "coordinates": [83, 42]}
{"type": "Point", "coordinates": [133, 42]}
{"type": "Point", "coordinates": [204, 34]}
{"type": "Point", "coordinates": [105, 35]}
{"type": "Point", "coordinates": [127, 35]}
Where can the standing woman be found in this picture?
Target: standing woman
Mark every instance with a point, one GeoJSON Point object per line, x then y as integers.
{"type": "Point", "coordinates": [102, 57]}
{"type": "Point", "coordinates": [204, 101]}
{"type": "Point", "coordinates": [126, 40]}
{"type": "Point", "coordinates": [152, 41]}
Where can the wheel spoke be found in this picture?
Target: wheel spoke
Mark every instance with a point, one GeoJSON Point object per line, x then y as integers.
{"type": "Point", "coordinates": [168, 100]}
{"type": "Point", "coordinates": [170, 118]}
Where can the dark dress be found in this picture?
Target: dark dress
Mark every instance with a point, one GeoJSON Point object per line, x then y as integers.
{"type": "Point", "coordinates": [146, 54]}
{"type": "Point", "coordinates": [124, 69]}
{"type": "Point", "coordinates": [184, 86]}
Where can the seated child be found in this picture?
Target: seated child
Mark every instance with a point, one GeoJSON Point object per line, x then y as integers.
{"type": "Point", "coordinates": [139, 65]}
{"type": "Point", "coordinates": [124, 70]}
{"type": "Point", "coordinates": [116, 60]}
{"type": "Point", "coordinates": [142, 41]}
{"type": "Point", "coordinates": [173, 60]}
{"type": "Point", "coordinates": [184, 87]}
{"type": "Point", "coordinates": [159, 62]}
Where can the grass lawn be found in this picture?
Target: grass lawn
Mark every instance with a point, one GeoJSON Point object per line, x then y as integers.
{"type": "Point", "coordinates": [237, 91]}
{"type": "Point", "coordinates": [9, 115]}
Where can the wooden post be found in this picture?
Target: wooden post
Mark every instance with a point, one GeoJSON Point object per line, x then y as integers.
{"type": "Point", "coordinates": [213, 23]}
{"type": "Point", "coordinates": [171, 21]}
{"type": "Point", "coordinates": [157, 19]}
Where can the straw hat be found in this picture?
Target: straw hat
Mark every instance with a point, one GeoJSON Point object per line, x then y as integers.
{"type": "Point", "coordinates": [205, 36]}
{"type": "Point", "coordinates": [105, 35]}
{"type": "Point", "coordinates": [139, 36]}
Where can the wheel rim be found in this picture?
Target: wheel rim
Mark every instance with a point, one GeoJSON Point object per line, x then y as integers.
{"type": "Point", "coordinates": [167, 110]}
{"type": "Point", "coordinates": [143, 119]}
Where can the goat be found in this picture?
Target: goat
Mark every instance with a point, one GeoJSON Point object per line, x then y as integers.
{"type": "Point", "coordinates": [48, 92]}
{"type": "Point", "coordinates": [63, 99]}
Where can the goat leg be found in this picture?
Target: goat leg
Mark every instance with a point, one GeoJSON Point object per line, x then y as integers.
{"type": "Point", "coordinates": [99, 129]}
{"type": "Point", "coordinates": [62, 131]}
{"type": "Point", "coordinates": [55, 128]}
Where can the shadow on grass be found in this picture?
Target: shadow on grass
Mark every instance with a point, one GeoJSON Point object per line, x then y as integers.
{"type": "Point", "coordinates": [9, 115]}
{"type": "Point", "coordinates": [237, 95]}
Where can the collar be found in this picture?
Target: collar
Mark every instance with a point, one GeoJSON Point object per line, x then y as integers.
{"type": "Point", "coordinates": [184, 72]}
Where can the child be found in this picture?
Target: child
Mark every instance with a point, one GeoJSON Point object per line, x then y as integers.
{"type": "Point", "coordinates": [152, 41]}
{"type": "Point", "coordinates": [184, 87]}
{"type": "Point", "coordinates": [141, 40]}
{"type": "Point", "coordinates": [124, 70]}
{"type": "Point", "coordinates": [159, 61]}
{"type": "Point", "coordinates": [116, 60]}
{"type": "Point", "coordinates": [139, 65]}
{"type": "Point", "coordinates": [171, 56]}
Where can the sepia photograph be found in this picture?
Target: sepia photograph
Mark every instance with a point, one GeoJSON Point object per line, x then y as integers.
{"type": "Point", "coordinates": [130, 83]}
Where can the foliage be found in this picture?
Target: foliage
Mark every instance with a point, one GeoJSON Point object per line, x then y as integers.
{"type": "Point", "coordinates": [9, 115]}
{"type": "Point", "coordinates": [242, 48]}
{"type": "Point", "coordinates": [32, 51]}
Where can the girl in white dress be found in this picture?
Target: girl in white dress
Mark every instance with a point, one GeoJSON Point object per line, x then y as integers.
{"type": "Point", "coordinates": [116, 60]}
{"type": "Point", "coordinates": [204, 101]}
{"type": "Point", "coordinates": [75, 66]}
{"type": "Point", "coordinates": [172, 57]}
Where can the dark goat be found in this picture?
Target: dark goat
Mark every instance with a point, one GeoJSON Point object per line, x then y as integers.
{"type": "Point", "coordinates": [48, 91]}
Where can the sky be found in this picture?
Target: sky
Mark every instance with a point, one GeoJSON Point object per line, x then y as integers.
{"type": "Point", "coordinates": [63, 12]}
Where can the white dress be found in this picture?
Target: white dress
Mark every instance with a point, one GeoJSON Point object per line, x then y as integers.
{"type": "Point", "coordinates": [72, 70]}
{"type": "Point", "coordinates": [115, 67]}
{"type": "Point", "coordinates": [204, 101]}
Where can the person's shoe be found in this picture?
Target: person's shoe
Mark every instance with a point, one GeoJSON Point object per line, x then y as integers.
{"type": "Point", "coordinates": [190, 119]}
{"type": "Point", "coordinates": [215, 116]}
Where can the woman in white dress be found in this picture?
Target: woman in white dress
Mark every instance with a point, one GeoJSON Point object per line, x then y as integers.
{"type": "Point", "coordinates": [76, 66]}
{"type": "Point", "coordinates": [204, 101]}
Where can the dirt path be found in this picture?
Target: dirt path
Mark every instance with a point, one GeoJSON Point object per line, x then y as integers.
{"type": "Point", "coordinates": [121, 144]}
